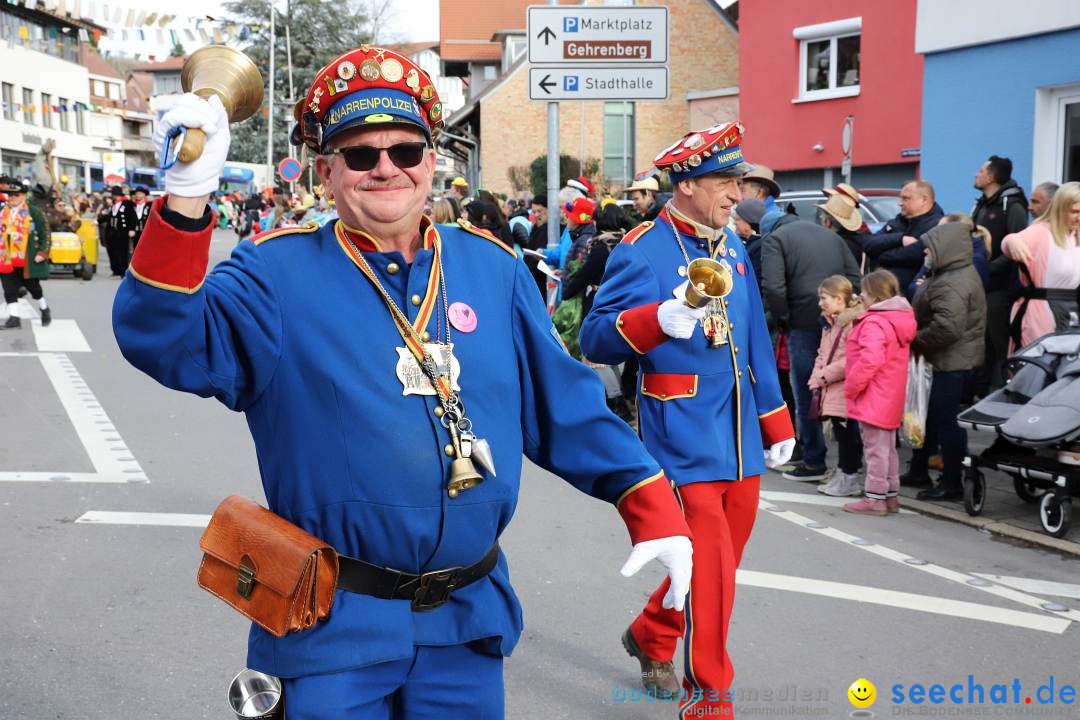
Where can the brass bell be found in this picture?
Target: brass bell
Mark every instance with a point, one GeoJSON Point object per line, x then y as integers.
{"type": "Point", "coordinates": [463, 476]}
{"type": "Point", "coordinates": [227, 73]}
{"type": "Point", "coordinates": [709, 280]}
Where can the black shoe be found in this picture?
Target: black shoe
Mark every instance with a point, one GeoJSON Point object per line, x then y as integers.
{"type": "Point", "coordinates": [807, 472]}
{"type": "Point", "coordinates": [12, 322]}
{"type": "Point", "coordinates": [944, 490]}
{"type": "Point", "coordinates": [915, 478]}
{"type": "Point", "coordinates": [46, 317]}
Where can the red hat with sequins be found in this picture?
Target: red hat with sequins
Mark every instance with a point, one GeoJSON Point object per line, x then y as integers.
{"type": "Point", "coordinates": [366, 86]}
{"type": "Point", "coordinates": [714, 150]}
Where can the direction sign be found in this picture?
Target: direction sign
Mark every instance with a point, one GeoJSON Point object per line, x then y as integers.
{"type": "Point", "coordinates": [593, 83]}
{"type": "Point", "coordinates": [572, 34]}
{"type": "Point", "coordinates": [289, 169]}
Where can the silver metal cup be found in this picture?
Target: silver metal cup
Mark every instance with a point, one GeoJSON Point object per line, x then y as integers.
{"type": "Point", "coordinates": [256, 696]}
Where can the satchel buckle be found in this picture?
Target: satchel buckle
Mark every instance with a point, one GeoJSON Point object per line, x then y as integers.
{"type": "Point", "coordinates": [245, 583]}
{"type": "Point", "coordinates": [434, 589]}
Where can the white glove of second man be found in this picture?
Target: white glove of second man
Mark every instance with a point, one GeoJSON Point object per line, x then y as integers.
{"type": "Point", "coordinates": [677, 319]}
{"type": "Point", "coordinates": [674, 553]}
{"type": "Point", "coordinates": [202, 175]}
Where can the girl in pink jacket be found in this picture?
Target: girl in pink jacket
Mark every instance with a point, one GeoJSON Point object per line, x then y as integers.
{"type": "Point", "coordinates": [876, 380]}
{"type": "Point", "coordinates": [840, 307]}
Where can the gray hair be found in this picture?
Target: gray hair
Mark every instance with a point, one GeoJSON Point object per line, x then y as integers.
{"type": "Point", "coordinates": [569, 195]}
{"type": "Point", "coordinates": [1048, 188]}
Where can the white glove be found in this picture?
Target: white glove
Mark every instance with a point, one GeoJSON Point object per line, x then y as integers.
{"type": "Point", "coordinates": [674, 553]}
{"type": "Point", "coordinates": [202, 175]}
{"type": "Point", "coordinates": [779, 453]}
{"type": "Point", "coordinates": [677, 319]}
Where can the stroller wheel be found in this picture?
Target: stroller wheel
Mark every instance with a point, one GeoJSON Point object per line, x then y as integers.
{"type": "Point", "coordinates": [974, 491]}
{"type": "Point", "coordinates": [1026, 491]}
{"type": "Point", "coordinates": [1054, 513]}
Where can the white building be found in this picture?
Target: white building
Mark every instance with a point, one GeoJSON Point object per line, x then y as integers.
{"type": "Point", "coordinates": [44, 91]}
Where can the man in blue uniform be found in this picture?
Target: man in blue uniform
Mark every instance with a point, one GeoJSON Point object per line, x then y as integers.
{"type": "Point", "coordinates": [709, 400]}
{"type": "Point", "coordinates": [383, 397]}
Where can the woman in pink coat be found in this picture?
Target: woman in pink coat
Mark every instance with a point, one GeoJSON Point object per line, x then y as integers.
{"type": "Point", "coordinates": [1050, 252]}
{"type": "Point", "coordinates": [877, 360]}
{"type": "Point", "coordinates": [839, 309]}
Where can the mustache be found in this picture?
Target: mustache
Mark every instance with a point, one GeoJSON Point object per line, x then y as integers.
{"type": "Point", "coordinates": [394, 184]}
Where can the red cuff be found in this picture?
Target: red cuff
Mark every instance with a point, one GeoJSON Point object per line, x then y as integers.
{"type": "Point", "coordinates": [640, 328]}
{"type": "Point", "coordinates": [650, 511]}
{"type": "Point", "coordinates": [168, 258]}
{"type": "Point", "coordinates": [776, 426]}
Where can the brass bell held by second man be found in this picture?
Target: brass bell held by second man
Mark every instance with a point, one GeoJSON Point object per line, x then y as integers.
{"type": "Point", "coordinates": [709, 280]}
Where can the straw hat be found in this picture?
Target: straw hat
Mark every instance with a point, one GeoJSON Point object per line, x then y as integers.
{"type": "Point", "coordinates": [842, 211]}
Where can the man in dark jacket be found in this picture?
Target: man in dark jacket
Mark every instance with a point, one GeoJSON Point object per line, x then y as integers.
{"type": "Point", "coordinates": [950, 309]}
{"type": "Point", "coordinates": [1001, 209]}
{"type": "Point", "coordinates": [896, 247]}
{"type": "Point", "coordinates": [121, 224]}
{"type": "Point", "coordinates": [796, 255]}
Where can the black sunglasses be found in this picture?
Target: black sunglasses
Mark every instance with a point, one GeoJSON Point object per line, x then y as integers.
{"type": "Point", "coordinates": [366, 157]}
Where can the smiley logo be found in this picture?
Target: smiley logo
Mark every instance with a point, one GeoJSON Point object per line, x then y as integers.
{"type": "Point", "coordinates": [862, 693]}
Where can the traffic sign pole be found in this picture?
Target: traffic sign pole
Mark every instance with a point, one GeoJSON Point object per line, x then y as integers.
{"type": "Point", "coordinates": [847, 137]}
{"type": "Point", "coordinates": [553, 167]}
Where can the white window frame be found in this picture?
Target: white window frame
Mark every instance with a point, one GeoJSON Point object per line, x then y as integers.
{"type": "Point", "coordinates": [1048, 149]}
{"type": "Point", "coordinates": [831, 31]}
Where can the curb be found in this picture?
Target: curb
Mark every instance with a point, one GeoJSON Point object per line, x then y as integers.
{"type": "Point", "coordinates": [995, 526]}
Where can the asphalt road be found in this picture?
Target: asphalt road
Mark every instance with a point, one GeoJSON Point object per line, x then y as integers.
{"type": "Point", "coordinates": [104, 620]}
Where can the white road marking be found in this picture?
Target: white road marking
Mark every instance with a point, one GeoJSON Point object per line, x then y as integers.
{"type": "Point", "coordinates": [904, 600]}
{"type": "Point", "coordinates": [902, 558]}
{"type": "Point", "coordinates": [103, 517]}
{"type": "Point", "coordinates": [59, 336]}
{"type": "Point", "coordinates": [112, 460]}
{"type": "Point", "coordinates": [1037, 587]}
{"type": "Point", "coordinates": [815, 499]}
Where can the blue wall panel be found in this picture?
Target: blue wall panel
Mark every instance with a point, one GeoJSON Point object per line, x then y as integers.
{"type": "Point", "coordinates": [980, 101]}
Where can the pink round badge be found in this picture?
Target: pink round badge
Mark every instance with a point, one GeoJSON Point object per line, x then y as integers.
{"type": "Point", "coordinates": [462, 317]}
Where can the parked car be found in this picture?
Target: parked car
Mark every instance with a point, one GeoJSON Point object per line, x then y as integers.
{"type": "Point", "coordinates": [878, 206]}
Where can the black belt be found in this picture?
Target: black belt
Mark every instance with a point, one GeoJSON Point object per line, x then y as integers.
{"type": "Point", "coordinates": [1029, 293]}
{"type": "Point", "coordinates": [427, 591]}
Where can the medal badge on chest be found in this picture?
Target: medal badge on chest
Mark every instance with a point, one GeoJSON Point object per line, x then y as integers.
{"type": "Point", "coordinates": [414, 381]}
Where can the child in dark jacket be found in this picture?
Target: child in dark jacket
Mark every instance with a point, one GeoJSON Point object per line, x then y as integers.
{"type": "Point", "coordinates": [875, 383]}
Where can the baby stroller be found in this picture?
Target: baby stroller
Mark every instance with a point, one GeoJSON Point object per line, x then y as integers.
{"type": "Point", "coordinates": [1036, 418]}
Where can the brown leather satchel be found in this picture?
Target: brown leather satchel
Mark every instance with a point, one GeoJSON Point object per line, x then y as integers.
{"type": "Point", "coordinates": [273, 572]}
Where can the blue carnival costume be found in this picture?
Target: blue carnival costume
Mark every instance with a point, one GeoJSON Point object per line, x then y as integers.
{"type": "Point", "coordinates": [708, 405]}
{"type": "Point", "coordinates": [359, 457]}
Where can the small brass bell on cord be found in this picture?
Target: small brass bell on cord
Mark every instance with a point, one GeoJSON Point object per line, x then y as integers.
{"type": "Point", "coordinates": [463, 474]}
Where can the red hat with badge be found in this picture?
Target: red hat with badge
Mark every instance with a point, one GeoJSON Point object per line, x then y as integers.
{"type": "Point", "coordinates": [714, 150]}
{"type": "Point", "coordinates": [366, 86]}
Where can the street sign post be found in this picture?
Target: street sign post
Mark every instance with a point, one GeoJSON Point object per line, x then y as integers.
{"type": "Point", "coordinates": [593, 53]}
{"type": "Point", "coordinates": [847, 137]}
{"type": "Point", "coordinates": [595, 83]}
{"type": "Point", "coordinates": [289, 169]}
{"type": "Point", "coordinates": [560, 34]}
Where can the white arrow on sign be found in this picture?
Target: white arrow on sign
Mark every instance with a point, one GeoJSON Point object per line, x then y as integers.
{"type": "Point", "coordinates": [560, 34]}
{"type": "Point", "coordinates": [592, 83]}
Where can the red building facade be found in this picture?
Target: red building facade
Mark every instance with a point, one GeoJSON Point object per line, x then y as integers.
{"type": "Point", "coordinates": [806, 65]}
